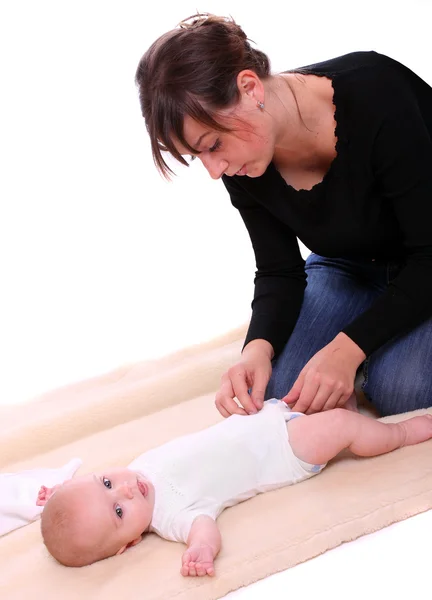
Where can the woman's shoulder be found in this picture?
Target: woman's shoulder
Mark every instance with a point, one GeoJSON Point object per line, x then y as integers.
{"type": "Point", "coordinates": [351, 63]}
{"type": "Point", "coordinates": [370, 66]}
{"type": "Point", "coordinates": [370, 74]}
{"type": "Point", "coordinates": [370, 85]}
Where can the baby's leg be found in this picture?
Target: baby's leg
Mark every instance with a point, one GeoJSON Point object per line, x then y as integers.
{"type": "Point", "coordinates": [319, 437]}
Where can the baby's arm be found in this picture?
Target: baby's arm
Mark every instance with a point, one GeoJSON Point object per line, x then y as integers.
{"type": "Point", "coordinates": [204, 542]}
{"type": "Point", "coordinates": [318, 438]}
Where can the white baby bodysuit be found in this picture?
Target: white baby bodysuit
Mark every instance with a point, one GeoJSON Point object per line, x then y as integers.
{"type": "Point", "coordinates": [19, 492]}
{"type": "Point", "coordinates": [203, 473]}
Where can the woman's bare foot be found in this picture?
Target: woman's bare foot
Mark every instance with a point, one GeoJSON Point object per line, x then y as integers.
{"type": "Point", "coordinates": [416, 430]}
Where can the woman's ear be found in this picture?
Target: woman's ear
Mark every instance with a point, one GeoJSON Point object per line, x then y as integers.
{"type": "Point", "coordinates": [250, 84]}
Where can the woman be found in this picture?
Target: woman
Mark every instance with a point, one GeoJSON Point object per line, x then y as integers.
{"type": "Point", "coordinates": [339, 155]}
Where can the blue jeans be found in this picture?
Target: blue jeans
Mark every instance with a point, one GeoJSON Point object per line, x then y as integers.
{"type": "Point", "coordinates": [397, 376]}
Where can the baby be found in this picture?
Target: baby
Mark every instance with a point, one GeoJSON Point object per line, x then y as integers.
{"type": "Point", "coordinates": [179, 489]}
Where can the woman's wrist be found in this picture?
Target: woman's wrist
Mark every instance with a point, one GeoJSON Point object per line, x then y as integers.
{"type": "Point", "coordinates": [349, 348]}
{"type": "Point", "coordinates": [259, 345]}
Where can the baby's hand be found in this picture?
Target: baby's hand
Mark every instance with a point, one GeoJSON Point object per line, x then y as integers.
{"type": "Point", "coordinates": [45, 494]}
{"type": "Point", "coordinates": [198, 561]}
{"type": "Point", "coordinates": [42, 496]}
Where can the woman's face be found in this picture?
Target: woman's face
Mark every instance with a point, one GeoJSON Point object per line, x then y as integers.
{"type": "Point", "coordinates": [247, 150]}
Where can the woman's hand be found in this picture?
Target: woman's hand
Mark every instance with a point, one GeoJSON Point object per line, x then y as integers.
{"type": "Point", "coordinates": [253, 371]}
{"type": "Point", "coordinates": [327, 380]}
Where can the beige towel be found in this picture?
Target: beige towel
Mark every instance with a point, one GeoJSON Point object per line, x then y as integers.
{"type": "Point", "coordinates": [107, 421]}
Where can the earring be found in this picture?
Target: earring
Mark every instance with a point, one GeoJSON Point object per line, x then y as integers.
{"type": "Point", "coordinates": [260, 105]}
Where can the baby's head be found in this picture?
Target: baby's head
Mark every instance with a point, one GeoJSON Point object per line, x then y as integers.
{"type": "Point", "coordinates": [96, 516]}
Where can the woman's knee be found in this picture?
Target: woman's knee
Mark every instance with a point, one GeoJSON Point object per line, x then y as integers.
{"type": "Point", "coordinates": [396, 387]}
{"type": "Point", "coordinates": [334, 296]}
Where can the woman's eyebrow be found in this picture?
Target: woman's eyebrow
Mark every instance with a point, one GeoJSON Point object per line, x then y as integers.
{"type": "Point", "coordinates": [200, 139]}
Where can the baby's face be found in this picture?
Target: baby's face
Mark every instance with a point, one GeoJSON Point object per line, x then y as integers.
{"type": "Point", "coordinates": [116, 506]}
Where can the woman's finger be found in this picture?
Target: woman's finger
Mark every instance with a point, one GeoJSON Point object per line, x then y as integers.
{"type": "Point", "coordinates": [224, 399]}
{"type": "Point", "coordinates": [333, 400]}
{"type": "Point", "coordinates": [307, 394]}
{"type": "Point", "coordinates": [322, 396]}
{"type": "Point", "coordinates": [294, 393]}
{"type": "Point", "coordinates": [240, 387]}
{"type": "Point", "coordinates": [259, 386]}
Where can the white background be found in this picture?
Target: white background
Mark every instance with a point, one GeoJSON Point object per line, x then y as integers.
{"type": "Point", "coordinates": [101, 261]}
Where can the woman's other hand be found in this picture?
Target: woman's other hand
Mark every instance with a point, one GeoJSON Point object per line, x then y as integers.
{"type": "Point", "coordinates": [327, 380]}
{"type": "Point", "coordinates": [252, 372]}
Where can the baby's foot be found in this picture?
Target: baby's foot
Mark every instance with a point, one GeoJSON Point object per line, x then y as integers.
{"type": "Point", "coordinates": [416, 430]}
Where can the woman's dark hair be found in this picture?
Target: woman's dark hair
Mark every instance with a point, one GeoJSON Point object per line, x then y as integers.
{"type": "Point", "coordinates": [192, 70]}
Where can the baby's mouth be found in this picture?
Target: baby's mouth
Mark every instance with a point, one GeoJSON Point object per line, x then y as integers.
{"type": "Point", "coordinates": [142, 488]}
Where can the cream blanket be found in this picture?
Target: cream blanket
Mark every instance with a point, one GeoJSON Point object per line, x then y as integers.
{"type": "Point", "coordinates": [108, 420]}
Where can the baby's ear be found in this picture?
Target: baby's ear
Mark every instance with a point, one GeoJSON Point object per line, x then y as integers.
{"type": "Point", "coordinates": [133, 543]}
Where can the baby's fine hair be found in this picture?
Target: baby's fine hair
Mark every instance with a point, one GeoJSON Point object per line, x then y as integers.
{"type": "Point", "coordinates": [192, 70]}
{"type": "Point", "coordinates": [59, 527]}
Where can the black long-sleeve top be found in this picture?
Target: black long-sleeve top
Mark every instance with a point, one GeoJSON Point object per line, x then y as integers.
{"type": "Point", "coordinates": [375, 202]}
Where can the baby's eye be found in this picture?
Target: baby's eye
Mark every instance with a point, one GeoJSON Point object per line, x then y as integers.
{"type": "Point", "coordinates": [106, 482]}
{"type": "Point", "coordinates": [119, 511]}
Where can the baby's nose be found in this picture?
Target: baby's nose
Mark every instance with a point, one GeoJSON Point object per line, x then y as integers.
{"type": "Point", "coordinates": [126, 489]}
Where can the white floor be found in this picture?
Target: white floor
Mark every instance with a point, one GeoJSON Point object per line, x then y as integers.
{"type": "Point", "coordinates": [101, 261]}
{"type": "Point", "coordinates": [391, 563]}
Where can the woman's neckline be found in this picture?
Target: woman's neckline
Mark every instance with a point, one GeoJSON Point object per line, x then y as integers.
{"type": "Point", "coordinates": [337, 135]}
